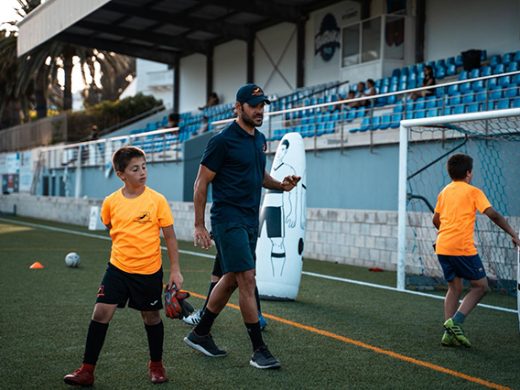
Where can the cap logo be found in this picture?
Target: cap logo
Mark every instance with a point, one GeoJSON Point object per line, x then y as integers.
{"type": "Point", "coordinates": [257, 92]}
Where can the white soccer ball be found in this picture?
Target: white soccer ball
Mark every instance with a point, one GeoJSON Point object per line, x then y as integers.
{"type": "Point", "coordinates": [72, 259]}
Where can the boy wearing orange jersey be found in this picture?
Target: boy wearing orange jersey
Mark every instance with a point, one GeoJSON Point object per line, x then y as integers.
{"type": "Point", "coordinates": [454, 217]}
{"type": "Point", "coordinates": [135, 215]}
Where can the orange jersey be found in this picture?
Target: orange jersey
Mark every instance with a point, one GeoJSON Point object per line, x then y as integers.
{"type": "Point", "coordinates": [457, 206]}
{"type": "Point", "coordinates": [135, 232]}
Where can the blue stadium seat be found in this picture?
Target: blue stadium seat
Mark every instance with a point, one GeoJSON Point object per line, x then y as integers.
{"type": "Point", "coordinates": [512, 66]}
{"type": "Point", "coordinates": [465, 88]}
{"type": "Point", "coordinates": [485, 71]}
{"type": "Point", "coordinates": [511, 91]}
{"type": "Point", "coordinates": [450, 61]}
{"type": "Point", "coordinates": [453, 90]}
{"type": "Point", "coordinates": [455, 100]}
{"type": "Point", "coordinates": [502, 104]}
{"type": "Point", "coordinates": [517, 56]}
{"type": "Point", "coordinates": [432, 112]}
{"type": "Point", "coordinates": [375, 123]}
{"type": "Point", "coordinates": [386, 119]}
{"type": "Point", "coordinates": [351, 115]}
{"type": "Point", "coordinates": [473, 107]}
{"type": "Point", "coordinates": [515, 103]}
{"type": "Point", "coordinates": [447, 111]}
{"type": "Point", "coordinates": [504, 81]}
{"type": "Point", "coordinates": [481, 96]}
{"type": "Point", "coordinates": [506, 58]}
{"type": "Point", "coordinates": [462, 75]}
{"type": "Point", "coordinates": [483, 55]}
{"type": "Point", "coordinates": [495, 94]}
{"type": "Point", "coordinates": [399, 107]}
{"type": "Point", "coordinates": [516, 79]}
{"type": "Point", "coordinates": [458, 60]}
{"type": "Point", "coordinates": [498, 68]}
{"type": "Point", "coordinates": [440, 72]}
{"type": "Point", "coordinates": [478, 85]}
{"type": "Point", "coordinates": [474, 73]}
{"type": "Point", "coordinates": [458, 109]}
{"type": "Point", "coordinates": [468, 98]}
{"type": "Point", "coordinates": [494, 60]}
{"type": "Point", "coordinates": [419, 104]}
{"type": "Point", "coordinates": [396, 120]}
{"type": "Point", "coordinates": [451, 70]}
{"type": "Point", "coordinates": [419, 114]}
{"type": "Point", "coordinates": [431, 102]}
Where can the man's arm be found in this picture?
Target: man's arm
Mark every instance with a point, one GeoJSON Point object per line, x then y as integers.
{"type": "Point", "coordinates": [200, 193]}
{"type": "Point", "coordinates": [502, 223]}
{"type": "Point", "coordinates": [287, 184]}
{"type": "Point", "coordinates": [173, 254]}
{"type": "Point", "coordinates": [437, 220]}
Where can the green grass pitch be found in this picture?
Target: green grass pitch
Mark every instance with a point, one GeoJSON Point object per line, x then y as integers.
{"type": "Point", "coordinates": [334, 336]}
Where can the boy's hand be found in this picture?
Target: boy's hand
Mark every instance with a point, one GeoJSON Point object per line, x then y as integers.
{"type": "Point", "coordinates": [175, 279]}
{"type": "Point", "coordinates": [201, 237]}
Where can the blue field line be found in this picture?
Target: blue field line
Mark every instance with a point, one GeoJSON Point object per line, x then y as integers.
{"type": "Point", "coordinates": [313, 274]}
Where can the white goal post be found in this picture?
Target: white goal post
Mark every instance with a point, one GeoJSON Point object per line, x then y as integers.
{"type": "Point", "coordinates": [441, 130]}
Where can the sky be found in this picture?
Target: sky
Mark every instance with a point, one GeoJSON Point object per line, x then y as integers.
{"type": "Point", "coordinates": [8, 13]}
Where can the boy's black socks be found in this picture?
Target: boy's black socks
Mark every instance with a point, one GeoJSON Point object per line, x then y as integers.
{"type": "Point", "coordinates": [155, 335]}
{"type": "Point", "coordinates": [95, 339]}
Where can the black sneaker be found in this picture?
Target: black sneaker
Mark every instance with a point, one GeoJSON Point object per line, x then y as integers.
{"type": "Point", "coordinates": [262, 358]}
{"type": "Point", "coordinates": [204, 344]}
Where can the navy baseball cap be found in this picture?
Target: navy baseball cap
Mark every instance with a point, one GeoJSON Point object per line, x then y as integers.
{"type": "Point", "coordinates": [251, 94]}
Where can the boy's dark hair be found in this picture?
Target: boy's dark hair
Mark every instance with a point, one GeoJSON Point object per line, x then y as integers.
{"type": "Point", "coordinates": [123, 155]}
{"type": "Point", "coordinates": [459, 165]}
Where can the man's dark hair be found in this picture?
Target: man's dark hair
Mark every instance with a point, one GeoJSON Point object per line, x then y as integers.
{"type": "Point", "coordinates": [122, 157]}
{"type": "Point", "coordinates": [459, 165]}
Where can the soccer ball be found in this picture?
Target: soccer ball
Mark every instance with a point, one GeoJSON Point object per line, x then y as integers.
{"type": "Point", "coordinates": [72, 259]}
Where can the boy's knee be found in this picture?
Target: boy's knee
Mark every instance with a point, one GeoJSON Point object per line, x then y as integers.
{"type": "Point", "coordinates": [151, 317]}
{"type": "Point", "coordinates": [481, 286]}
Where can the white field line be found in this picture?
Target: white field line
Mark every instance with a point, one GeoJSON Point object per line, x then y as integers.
{"type": "Point", "coordinates": [208, 256]}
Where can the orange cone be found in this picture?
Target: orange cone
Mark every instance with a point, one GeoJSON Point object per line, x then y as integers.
{"type": "Point", "coordinates": [37, 265]}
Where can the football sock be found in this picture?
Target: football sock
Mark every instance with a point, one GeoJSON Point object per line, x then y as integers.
{"type": "Point", "coordinates": [155, 335]}
{"type": "Point", "coordinates": [255, 334]}
{"type": "Point", "coordinates": [95, 339]}
{"type": "Point", "coordinates": [257, 297]}
{"type": "Point", "coordinates": [206, 322]}
{"type": "Point", "coordinates": [211, 287]}
{"type": "Point", "coordinates": [459, 318]}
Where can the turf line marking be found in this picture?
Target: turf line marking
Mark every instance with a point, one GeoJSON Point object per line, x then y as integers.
{"type": "Point", "coordinates": [313, 274]}
{"type": "Point", "coordinates": [372, 348]}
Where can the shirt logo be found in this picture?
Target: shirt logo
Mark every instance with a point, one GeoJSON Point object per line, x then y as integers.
{"type": "Point", "coordinates": [143, 217]}
{"type": "Point", "coordinates": [101, 291]}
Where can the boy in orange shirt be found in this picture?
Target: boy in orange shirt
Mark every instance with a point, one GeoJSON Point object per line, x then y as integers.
{"type": "Point", "coordinates": [134, 214]}
{"type": "Point", "coordinates": [454, 217]}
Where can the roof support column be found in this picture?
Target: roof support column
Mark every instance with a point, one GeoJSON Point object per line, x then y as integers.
{"type": "Point", "coordinates": [176, 81]}
{"type": "Point", "coordinates": [300, 54]}
{"type": "Point", "coordinates": [250, 58]}
{"type": "Point", "coordinates": [209, 72]}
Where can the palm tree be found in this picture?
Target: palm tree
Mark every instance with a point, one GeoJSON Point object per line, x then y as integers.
{"type": "Point", "coordinates": [37, 71]}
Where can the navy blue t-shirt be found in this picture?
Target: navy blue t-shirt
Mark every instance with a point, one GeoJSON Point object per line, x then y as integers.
{"type": "Point", "coordinates": [238, 159]}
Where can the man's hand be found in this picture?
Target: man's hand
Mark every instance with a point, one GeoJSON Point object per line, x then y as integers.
{"type": "Point", "coordinates": [201, 237]}
{"type": "Point", "coordinates": [289, 182]}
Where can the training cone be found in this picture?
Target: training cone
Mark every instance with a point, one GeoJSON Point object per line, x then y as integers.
{"type": "Point", "coordinates": [37, 265]}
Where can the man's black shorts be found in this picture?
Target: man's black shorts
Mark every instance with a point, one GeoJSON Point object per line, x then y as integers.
{"type": "Point", "coordinates": [142, 292]}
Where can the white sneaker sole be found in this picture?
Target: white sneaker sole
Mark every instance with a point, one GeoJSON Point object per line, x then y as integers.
{"type": "Point", "coordinates": [273, 366]}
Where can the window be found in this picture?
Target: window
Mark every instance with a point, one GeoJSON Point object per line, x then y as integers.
{"type": "Point", "coordinates": [371, 40]}
{"type": "Point", "coordinates": [351, 45]}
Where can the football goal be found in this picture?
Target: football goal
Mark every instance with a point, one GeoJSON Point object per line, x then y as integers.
{"type": "Point", "coordinates": [492, 138]}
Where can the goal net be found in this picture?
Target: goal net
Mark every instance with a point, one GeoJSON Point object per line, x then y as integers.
{"type": "Point", "coordinates": [492, 139]}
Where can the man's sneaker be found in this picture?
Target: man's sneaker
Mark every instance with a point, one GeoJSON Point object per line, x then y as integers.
{"type": "Point", "coordinates": [194, 318]}
{"type": "Point", "coordinates": [448, 340]}
{"type": "Point", "coordinates": [262, 320]}
{"type": "Point", "coordinates": [456, 331]}
{"type": "Point", "coordinates": [204, 344]}
{"type": "Point", "coordinates": [156, 372]}
{"type": "Point", "coordinates": [83, 376]}
{"type": "Point", "coordinates": [262, 358]}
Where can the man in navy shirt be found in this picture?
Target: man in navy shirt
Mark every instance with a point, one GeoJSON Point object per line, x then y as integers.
{"type": "Point", "coordinates": [234, 163]}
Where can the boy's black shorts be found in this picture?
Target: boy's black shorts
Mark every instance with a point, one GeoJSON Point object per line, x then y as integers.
{"type": "Point", "coordinates": [142, 292]}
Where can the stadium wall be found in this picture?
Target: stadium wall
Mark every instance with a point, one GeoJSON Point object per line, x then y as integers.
{"type": "Point", "coordinates": [358, 237]}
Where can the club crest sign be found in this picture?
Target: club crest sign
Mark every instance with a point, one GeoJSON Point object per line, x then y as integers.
{"type": "Point", "coordinates": [327, 40]}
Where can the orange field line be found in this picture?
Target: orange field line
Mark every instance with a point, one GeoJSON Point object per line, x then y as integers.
{"type": "Point", "coordinates": [382, 351]}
